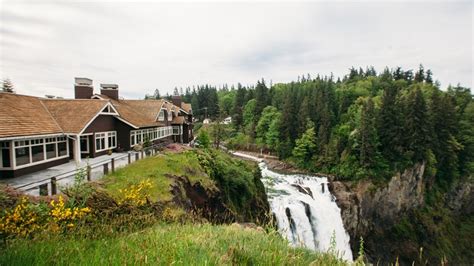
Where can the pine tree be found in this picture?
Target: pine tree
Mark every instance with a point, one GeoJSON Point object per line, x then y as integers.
{"type": "Point", "coordinates": [7, 86]}
{"type": "Point", "coordinates": [389, 125]}
{"type": "Point", "coordinates": [303, 116]}
{"type": "Point", "coordinates": [261, 97]}
{"type": "Point", "coordinates": [156, 95]}
{"type": "Point", "coordinates": [237, 109]}
{"type": "Point", "coordinates": [368, 140]}
{"type": "Point", "coordinates": [288, 123]}
{"type": "Point", "coordinates": [416, 126]}
{"type": "Point", "coordinates": [429, 77]}
{"type": "Point", "coordinates": [420, 74]}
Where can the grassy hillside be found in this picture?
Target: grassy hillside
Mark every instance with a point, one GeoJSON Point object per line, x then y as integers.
{"type": "Point", "coordinates": [145, 214]}
{"type": "Point", "coordinates": [166, 244]}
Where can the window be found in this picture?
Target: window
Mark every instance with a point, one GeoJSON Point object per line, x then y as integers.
{"type": "Point", "coordinates": [99, 142]}
{"type": "Point", "coordinates": [5, 154]}
{"type": "Point", "coordinates": [37, 150]}
{"type": "Point", "coordinates": [161, 115]}
{"type": "Point", "coordinates": [133, 139]}
{"type": "Point", "coordinates": [105, 140]}
{"type": "Point", "coordinates": [62, 149]}
{"type": "Point", "coordinates": [112, 140]}
{"type": "Point", "coordinates": [84, 144]}
{"type": "Point", "coordinates": [51, 150]}
{"type": "Point", "coordinates": [37, 153]}
{"type": "Point", "coordinates": [22, 156]}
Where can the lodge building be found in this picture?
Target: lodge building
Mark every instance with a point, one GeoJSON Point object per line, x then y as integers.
{"type": "Point", "coordinates": [37, 133]}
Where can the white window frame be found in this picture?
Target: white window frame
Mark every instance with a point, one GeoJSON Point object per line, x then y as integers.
{"type": "Point", "coordinates": [152, 134]}
{"type": "Point", "coordinates": [105, 135]}
{"type": "Point", "coordinates": [57, 139]}
{"type": "Point", "coordinates": [161, 115]}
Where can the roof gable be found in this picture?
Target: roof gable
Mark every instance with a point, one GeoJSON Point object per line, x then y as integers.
{"type": "Point", "coordinates": [73, 116]}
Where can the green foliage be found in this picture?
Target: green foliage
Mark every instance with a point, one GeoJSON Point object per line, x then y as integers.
{"type": "Point", "coordinates": [305, 147]}
{"type": "Point", "coordinates": [239, 183]}
{"type": "Point", "coordinates": [366, 124]}
{"type": "Point", "coordinates": [249, 117]}
{"type": "Point", "coordinates": [267, 130]}
{"type": "Point", "coordinates": [203, 139]}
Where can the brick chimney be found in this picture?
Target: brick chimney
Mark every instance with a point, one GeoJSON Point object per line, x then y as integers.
{"type": "Point", "coordinates": [176, 99]}
{"type": "Point", "coordinates": [83, 88]}
{"type": "Point", "coordinates": [110, 90]}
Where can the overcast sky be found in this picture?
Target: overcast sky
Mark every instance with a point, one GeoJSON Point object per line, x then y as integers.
{"type": "Point", "coordinates": [143, 46]}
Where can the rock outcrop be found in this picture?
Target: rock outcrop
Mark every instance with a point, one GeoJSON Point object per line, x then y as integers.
{"type": "Point", "coordinates": [367, 209]}
{"type": "Point", "coordinates": [374, 212]}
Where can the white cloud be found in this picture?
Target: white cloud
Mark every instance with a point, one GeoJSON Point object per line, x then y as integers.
{"type": "Point", "coordinates": [143, 45]}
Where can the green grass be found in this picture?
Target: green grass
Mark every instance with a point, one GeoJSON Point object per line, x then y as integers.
{"type": "Point", "coordinates": [158, 169]}
{"type": "Point", "coordinates": [166, 244]}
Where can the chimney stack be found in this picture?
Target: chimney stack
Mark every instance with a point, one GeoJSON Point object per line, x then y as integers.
{"type": "Point", "coordinates": [83, 88]}
{"type": "Point", "coordinates": [110, 90]}
{"type": "Point", "coordinates": [176, 99]}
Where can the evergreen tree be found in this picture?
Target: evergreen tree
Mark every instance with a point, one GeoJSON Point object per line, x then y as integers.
{"type": "Point", "coordinates": [429, 77]}
{"type": "Point", "coordinates": [389, 125]}
{"type": "Point", "coordinates": [7, 86]}
{"type": "Point", "coordinates": [288, 123]}
{"type": "Point", "coordinates": [303, 116]}
{"type": "Point", "coordinates": [368, 136]}
{"type": "Point", "coordinates": [156, 95]}
{"type": "Point", "coordinates": [237, 109]}
{"type": "Point", "coordinates": [261, 97]}
{"type": "Point", "coordinates": [416, 126]}
{"type": "Point", "coordinates": [420, 74]}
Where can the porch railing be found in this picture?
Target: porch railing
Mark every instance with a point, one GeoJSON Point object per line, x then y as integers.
{"type": "Point", "coordinates": [53, 185]}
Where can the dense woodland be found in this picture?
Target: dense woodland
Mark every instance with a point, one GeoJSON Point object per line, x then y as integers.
{"type": "Point", "coordinates": [366, 124]}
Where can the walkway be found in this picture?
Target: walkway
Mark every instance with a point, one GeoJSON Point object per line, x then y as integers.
{"type": "Point", "coordinates": [65, 172]}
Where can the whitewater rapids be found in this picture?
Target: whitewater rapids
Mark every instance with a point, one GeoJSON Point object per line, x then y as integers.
{"type": "Point", "coordinates": [305, 211]}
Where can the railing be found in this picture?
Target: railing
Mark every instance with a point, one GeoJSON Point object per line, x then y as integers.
{"type": "Point", "coordinates": [53, 185]}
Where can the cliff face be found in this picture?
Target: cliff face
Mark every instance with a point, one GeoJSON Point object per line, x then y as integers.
{"type": "Point", "coordinates": [376, 212]}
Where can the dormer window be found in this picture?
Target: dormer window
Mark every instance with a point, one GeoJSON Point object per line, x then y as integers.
{"type": "Point", "coordinates": [161, 116]}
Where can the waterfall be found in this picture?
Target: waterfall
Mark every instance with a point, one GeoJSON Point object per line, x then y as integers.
{"type": "Point", "coordinates": [305, 211]}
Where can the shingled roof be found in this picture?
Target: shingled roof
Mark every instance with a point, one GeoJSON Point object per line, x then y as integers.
{"type": "Point", "coordinates": [186, 107]}
{"type": "Point", "coordinates": [23, 115]}
{"type": "Point", "coordinates": [74, 115]}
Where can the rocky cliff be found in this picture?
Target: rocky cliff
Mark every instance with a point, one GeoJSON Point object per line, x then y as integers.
{"type": "Point", "coordinates": [389, 216]}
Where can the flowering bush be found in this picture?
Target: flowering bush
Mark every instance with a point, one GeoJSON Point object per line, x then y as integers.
{"type": "Point", "coordinates": [137, 194]}
{"type": "Point", "coordinates": [26, 218]}
{"type": "Point", "coordinates": [21, 221]}
{"type": "Point", "coordinates": [62, 215]}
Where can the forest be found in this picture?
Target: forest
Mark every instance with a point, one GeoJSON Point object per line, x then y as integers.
{"type": "Point", "coordinates": [363, 125]}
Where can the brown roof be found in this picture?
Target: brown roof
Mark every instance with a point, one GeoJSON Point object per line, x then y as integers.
{"type": "Point", "coordinates": [141, 113]}
{"type": "Point", "coordinates": [178, 120]}
{"type": "Point", "coordinates": [22, 115]}
{"type": "Point", "coordinates": [74, 115]}
{"type": "Point", "coordinates": [186, 107]}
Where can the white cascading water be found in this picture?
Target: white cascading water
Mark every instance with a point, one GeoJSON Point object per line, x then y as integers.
{"type": "Point", "coordinates": [305, 211]}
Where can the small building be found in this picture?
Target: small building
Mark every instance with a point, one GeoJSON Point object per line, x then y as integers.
{"type": "Point", "coordinates": [227, 120]}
